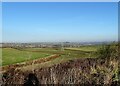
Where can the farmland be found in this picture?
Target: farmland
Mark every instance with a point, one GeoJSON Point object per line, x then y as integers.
{"type": "Point", "coordinates": [13, 56]}
{"type": "Point", "coordinates": [86, 48]}
{"type": "Point", "coordinates": [90, 64]}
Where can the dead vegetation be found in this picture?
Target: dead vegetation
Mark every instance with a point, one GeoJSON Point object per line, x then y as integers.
{"type": "Point", "coordinates": [81, 71]}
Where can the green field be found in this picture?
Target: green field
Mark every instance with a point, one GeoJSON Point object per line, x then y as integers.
{"type": "Point", "coordinates": [88, 48]}
{"type": "Point", "coordinates": [12, 56]}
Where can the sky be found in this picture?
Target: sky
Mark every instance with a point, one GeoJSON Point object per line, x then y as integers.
{"type": "Point", "coordinates": [59, 22]}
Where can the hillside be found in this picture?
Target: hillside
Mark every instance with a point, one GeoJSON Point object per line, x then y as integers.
{"type": "Point", "coordinates": [103, 70]}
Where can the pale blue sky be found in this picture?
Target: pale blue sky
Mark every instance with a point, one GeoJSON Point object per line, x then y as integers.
{"type": "Point", "coordinates": [56, 22]}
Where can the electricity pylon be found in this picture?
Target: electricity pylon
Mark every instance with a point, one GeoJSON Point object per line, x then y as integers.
{"type": "Point", "coordinates": [62, 46]}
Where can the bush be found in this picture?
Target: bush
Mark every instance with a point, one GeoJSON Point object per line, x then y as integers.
{"type": "Point", "coordinates": [108, 52]}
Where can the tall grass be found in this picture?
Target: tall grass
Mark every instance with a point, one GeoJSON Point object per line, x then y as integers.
{"type": "Point", "coordinates": [110, 54]}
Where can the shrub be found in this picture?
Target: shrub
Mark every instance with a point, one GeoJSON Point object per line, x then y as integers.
{"type": "Point", "coordinates": [108, 52]}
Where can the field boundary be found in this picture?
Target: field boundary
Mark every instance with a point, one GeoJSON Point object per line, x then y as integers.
{"type": "Point", "coordinates": [31, 62]}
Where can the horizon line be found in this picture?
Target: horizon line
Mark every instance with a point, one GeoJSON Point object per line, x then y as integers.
{"type": "Point", "coordinates": [61, 41]}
